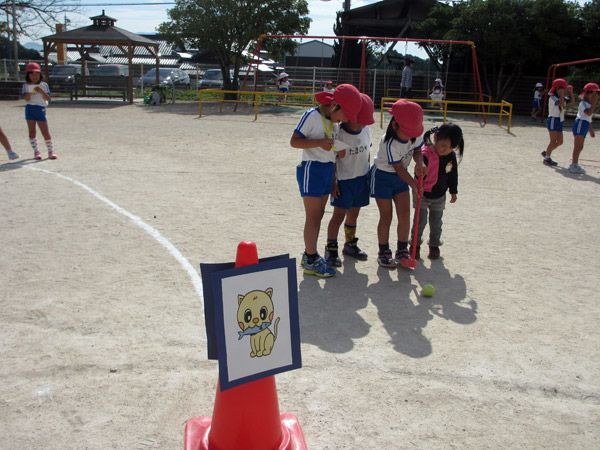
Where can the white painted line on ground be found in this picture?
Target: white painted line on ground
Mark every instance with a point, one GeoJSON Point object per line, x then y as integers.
{"type": "Point", "coordinates": [196, 280]}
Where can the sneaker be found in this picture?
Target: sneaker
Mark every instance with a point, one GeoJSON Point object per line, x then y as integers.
{"type": "Point", "coordinates": [37, 155]}
{"type": "Point", "coordinates": [544, 153]}
{"type": "Point", "coordinates": [576, 168]}
{"type": "Point", "coordinates": [12, 155]}
{"type": "Point", "coordinates": [319, 267]}
{"type": "Point", "coordinates": [352, 249]}
{"type": "Point", "coordinates": [331, 255]}
{"type": "Point", "coordinates": [305, 258]}
{"type": "Point", "coordinates": [385, 259]}
{"type": "Point", "coordinates": [549, 162]}
{"type": "Point", "coordinates": [401, 254]}
{"type": "Point", "coordinates": [52, 155]}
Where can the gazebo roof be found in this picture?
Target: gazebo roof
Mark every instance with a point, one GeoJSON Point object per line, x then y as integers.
{"type": "Point", "coordinates": [102, 32]}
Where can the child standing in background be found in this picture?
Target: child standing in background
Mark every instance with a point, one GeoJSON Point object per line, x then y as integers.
{"type": "Point", "coordinates": [283, 84]}
{"type": "Point", "coordinates": [390, 181]}
{"type": "Point", "coordinates": [557, 106]}
{"type": "Point", "coordinates": [328, 86]}
{"type": "Point", "coordinates": [37, 95]}
{"type": "Point", "coordinates": [6, 144]}
{"type": "Point", "coordinates": [351, 186]}
{"type": "Point", "coordinates": [315, 134]}
{"type": "Point", "coordinates": [536, 105]}
{"type": "Point", "coordinates": [442, 175]}
{"type": "Point", "coordinates": [583, 123]}
{"type": "Point", "coordinates": [437, 93]}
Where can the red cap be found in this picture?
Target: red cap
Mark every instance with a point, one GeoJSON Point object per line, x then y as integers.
{"type": "Point", "coordinates": [558, 83]}
{"type": "Point", "coordinates": [324, 98]}
{"type": "Point", "coordinates": [409, 117]}
{"type": "Point", "coordinates": [329, 82]}
{"type": "Point", "coordinates": [348, 97]}
{"type": "Point", "coordinates": [591, 87]}
{"type": "Point", "coordinates": [365, 115]}
{"type": "Point", "coordinates": [33, 67]}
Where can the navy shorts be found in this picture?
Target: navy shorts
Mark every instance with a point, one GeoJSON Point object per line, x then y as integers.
{"type": "Point", "coordinates": [554, 124]}
{"type": "Point", "coordinates": [536, 104]}
{"type": "Point", "coordinates": [385, 185]}
{"type": "Point", "coordinates": [581, 127]}
{"type": "Point", "coordinates": [315, 179]}
{"type": "Point", "coordinates": [35, 112]}
{"type": "Point", "coordinates": [354, 193]}
{"type": "Point", "coordinates": [283, 90]}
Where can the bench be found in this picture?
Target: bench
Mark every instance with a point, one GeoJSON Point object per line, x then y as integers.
{"type": "Point", "coordinates": [90, 86]}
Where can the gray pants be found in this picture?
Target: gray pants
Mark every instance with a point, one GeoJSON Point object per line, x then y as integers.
{"type": "Point", "coordinates": [434, 208]}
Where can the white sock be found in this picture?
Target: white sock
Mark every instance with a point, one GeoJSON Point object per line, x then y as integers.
{"type": "Point", "coordinates": [33, 142]}
{"type": "Point", "coordinates": [49, 145]}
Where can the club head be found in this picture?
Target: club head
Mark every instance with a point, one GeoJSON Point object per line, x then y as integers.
{"type": "Point", "coordinates": [409, 263]}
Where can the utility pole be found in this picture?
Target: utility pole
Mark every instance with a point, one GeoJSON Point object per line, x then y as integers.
{"type": "Point", "coordinates": [15, 43]}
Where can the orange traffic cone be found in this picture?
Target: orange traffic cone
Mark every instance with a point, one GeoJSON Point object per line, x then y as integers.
{"type": "Point", "coordinates": [246, 416]}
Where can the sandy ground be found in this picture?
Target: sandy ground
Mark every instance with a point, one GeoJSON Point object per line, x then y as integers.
{"type": "Point", "coordinates": [102, 333]}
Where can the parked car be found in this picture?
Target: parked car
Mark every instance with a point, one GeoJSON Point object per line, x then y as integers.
{"type": "Point", "coordinates": [62, 76]}
{"type": "Point", "coordinates": [111, 70]}
{"type": "Point", "coordinates": [213, 79]}
{"type": "Point", "coordinates": [166, 77]}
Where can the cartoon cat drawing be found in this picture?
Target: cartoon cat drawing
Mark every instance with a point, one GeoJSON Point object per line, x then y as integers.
{"type": "Point", "coordinates": [255, 315]}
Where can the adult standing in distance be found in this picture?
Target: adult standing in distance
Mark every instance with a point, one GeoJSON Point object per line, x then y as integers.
{"type": "Point", "coordinates": [407, 78]}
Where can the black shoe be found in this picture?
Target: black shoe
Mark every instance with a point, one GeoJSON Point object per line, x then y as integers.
{"type": "Point", "coordinates": [352, 249]}
{"type": "Point", "coordinates": [331, 255]}
{"type": "Point", "coordinates": [544, 153]}
{"type": "Point", "coordinates": [548, 161]}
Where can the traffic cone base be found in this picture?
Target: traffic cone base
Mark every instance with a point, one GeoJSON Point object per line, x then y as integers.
{"type": "Point", "coordinates": [197, 430]}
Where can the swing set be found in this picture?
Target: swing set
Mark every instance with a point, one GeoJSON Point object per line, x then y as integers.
{"type": "Point", "coordinates": [477, 89]}
{"type": "Point", "coordinates": [552, 75]}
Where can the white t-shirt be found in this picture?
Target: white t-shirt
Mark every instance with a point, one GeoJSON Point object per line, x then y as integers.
{"type": "Point", "coordinates": [581, 111]}
{"type": "Point", "coordinates": [554, 110]}
{"type": "Point", "coordinates": [284, 84]}
{"type": "Point", "coordinates": [356, 161]}
{"type": "Point", "coordinates": [36, 98]}
{"type": "Point", "coordinates": [311, 127]}
{"type": "Point", "coordinates": [395, 151]}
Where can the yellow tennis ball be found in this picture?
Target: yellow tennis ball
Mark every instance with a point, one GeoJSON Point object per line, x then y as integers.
{"type": "Point", "coordinates": [428, 290]}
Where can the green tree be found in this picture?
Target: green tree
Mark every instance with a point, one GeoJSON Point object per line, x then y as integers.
{"type": "Point", "coordinates": [512, 37]}
{"type": "Point", "coordinates": [227, 27]}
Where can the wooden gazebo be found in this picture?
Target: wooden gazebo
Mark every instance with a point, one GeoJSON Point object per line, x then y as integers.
{"type": "Point", "coordinates": [102, 32]}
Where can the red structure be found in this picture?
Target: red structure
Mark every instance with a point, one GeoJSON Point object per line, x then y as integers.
{"type": "Point", "coordinates": [235, 424]}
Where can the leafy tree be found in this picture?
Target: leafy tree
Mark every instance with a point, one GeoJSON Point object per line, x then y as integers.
{"type": "Point", "coordinates": [31, 18]}
{"type": "Point", "coordinates": [512, 37]}
{"type": "Point", "coordinates": [227, 27]}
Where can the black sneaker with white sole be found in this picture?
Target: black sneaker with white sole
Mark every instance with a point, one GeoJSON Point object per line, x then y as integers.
{"type": "Point", "coordinates": [549, 162]}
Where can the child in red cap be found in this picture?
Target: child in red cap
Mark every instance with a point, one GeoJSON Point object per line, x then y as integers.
{"type": "Point", "coordinates": [315, 135]}
{"type": "Point", "coordinates": [37, 95]}
{"type": "Point", "coordinates": [557, 105]}
{"type": "Point", "coordinates": [351, 186]}
{"type": "Point", "coordinates": [583, 123]}
{"type": "Point", "coordinates": [390, 180]}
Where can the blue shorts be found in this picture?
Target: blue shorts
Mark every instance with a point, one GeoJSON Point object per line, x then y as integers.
{"type": "Point", "coordinates": [536, 104]}
{"type": "Point", "coordinates": [35, 112]}
{"type": "Point", "coordinates": [354, 193]}
{"type": "Point", "coordinates": [283, 90]}
{"type": "Point", "coordinates": [315, 179]}
{"type": "Point", "coordinates": [581, 127]}
{"type": "Point", "coordinates": [385, 185]}
{"type": "Point", "coordinates": [554, 124]}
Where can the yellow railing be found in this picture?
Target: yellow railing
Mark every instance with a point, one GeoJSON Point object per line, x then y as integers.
{"type": "Point", "coordinates": [424, 95]}
{"type": "Point", "coordinates": [254, 98]}
{"type": "Point", "coordinates": [502, 109]}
